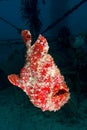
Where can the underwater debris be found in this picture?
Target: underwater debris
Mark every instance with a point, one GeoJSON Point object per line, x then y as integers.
{"type": "Point", "coordinates": [30, 13]}
{"type": "Point", "coordinates": [66, 14]}
{"type": "Point", "coordinates": [40, 78]}
{"type": "Point", "coordinates": [12, 25]}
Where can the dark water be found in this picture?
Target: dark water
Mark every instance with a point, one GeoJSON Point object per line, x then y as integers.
{"type": "Point", "coordinates": [64, 26]}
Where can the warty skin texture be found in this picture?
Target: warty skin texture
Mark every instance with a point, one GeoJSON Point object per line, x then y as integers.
{"type": "Point", "coordinates": [40, 78]}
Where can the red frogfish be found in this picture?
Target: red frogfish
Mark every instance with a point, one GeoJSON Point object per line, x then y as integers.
{"type": "Point", "coordinates": [40, 78]}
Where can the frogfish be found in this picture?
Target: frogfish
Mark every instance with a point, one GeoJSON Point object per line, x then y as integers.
{"type": "Point", "coordinates": [40, 78]}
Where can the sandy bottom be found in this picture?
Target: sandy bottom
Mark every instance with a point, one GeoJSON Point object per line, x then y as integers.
{"type": "Point", "coordinates": [17, 113]}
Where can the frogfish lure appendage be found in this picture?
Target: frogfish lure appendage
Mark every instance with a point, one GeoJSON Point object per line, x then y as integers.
{"type": "Point", "coordinates": [40, 78]}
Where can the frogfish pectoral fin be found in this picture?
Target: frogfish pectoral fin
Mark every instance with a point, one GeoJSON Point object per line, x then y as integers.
{"type": "Point", "coordinates": [14, 79]}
